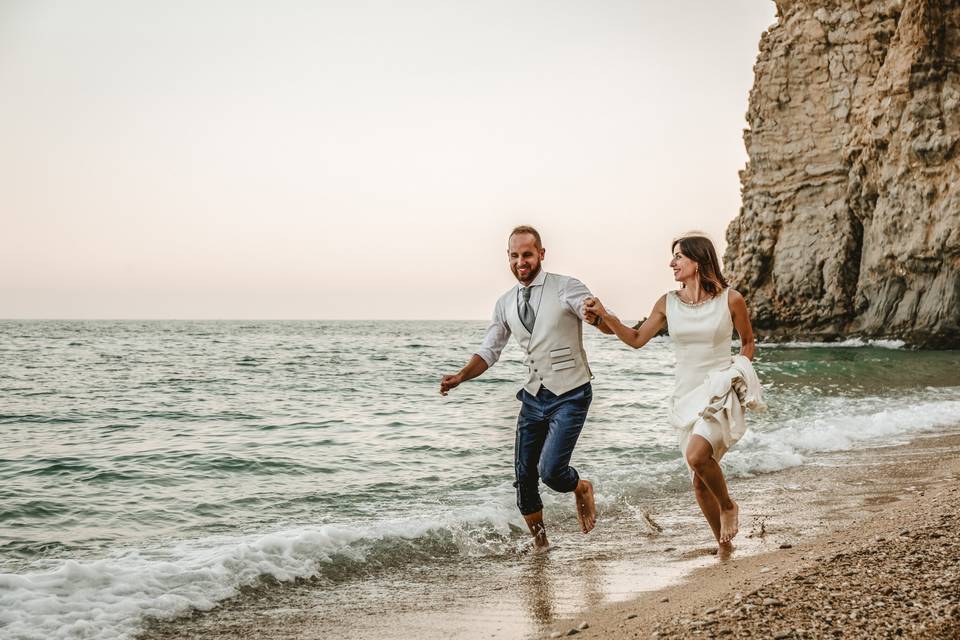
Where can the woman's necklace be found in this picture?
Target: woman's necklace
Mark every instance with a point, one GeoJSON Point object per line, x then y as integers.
{"type": "Point", "coordinates": [707, 297]}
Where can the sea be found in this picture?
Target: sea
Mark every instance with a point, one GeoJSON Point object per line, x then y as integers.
{"type": "Point", "coordinates": [154, 471]}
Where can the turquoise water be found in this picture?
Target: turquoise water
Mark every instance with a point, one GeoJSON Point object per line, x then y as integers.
{"type": "Point", "coordinates": [151, 467]}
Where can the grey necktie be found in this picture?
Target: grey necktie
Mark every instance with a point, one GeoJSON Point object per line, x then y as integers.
{"type": "Point", "coordinates": [527, 316]}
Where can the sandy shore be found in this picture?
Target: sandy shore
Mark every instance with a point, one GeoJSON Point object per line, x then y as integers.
{"type": "Point", "coordinates": [891, 573]}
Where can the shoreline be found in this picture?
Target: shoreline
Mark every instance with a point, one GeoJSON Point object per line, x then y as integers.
{"type": "Point", "coordinates": [844, 496]}
{"type": "Point", "coordinates": [894, 571]}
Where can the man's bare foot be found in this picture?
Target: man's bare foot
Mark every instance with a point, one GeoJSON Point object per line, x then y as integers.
{"type": "Point", "coordinates": [586, 510]}
{"type": "Point", "coordinates": [729, 522]}
{"type": "Point", "coordinates": [540, 542]}
{"type": "Point", "coordinates": [537, 530]}
{"type": "Point", "coordinates": [537, 547]}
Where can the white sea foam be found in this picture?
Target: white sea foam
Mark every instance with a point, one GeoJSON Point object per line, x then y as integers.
{"type": "Point", "coordinates": [866, 422]}
{"type": "Point", "coordinates": [109, 598]}
{"type": "Point", "coordinates": [834, 423]}
{"type": "Point", "coordinates": [849, 343]}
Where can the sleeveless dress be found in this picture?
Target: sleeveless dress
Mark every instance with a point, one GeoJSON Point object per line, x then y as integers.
{"type": "Point", "coordinates": [702, 335]}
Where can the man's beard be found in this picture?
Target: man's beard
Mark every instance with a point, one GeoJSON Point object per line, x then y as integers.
{"type": "Point", "coordinates": [533, 273]}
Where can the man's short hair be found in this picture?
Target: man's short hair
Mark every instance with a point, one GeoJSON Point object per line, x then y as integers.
{"type": "Point", "coordinates": [524, 228]}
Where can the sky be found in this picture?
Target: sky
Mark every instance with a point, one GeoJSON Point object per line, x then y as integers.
{"type": "Point", "coordinates": [359, 159]}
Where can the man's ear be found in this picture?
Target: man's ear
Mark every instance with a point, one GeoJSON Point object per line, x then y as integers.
{"type": "Point", "coordinates": [543, 252]}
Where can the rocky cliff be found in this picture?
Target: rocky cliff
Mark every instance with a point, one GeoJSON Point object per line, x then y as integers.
{"type": "Point", "coordinates": [850, 223]}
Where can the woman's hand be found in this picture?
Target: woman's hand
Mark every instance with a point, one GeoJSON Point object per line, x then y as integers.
{"type": "Point", "coordinates": [592, 307]}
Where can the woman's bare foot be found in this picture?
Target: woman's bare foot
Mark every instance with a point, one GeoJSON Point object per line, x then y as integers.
{"type": "Point", "coordinates": [725, 550]}
{"type": "Point", "coordinates": [586, 510]}
{"type": "Point", "coordinates": [729, 522]}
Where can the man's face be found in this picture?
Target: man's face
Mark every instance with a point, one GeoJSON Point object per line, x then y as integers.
{"type": "Point", "coordinates": [524, 256]}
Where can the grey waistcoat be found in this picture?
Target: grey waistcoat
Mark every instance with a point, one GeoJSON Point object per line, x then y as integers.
{"type": "Point", "coordinates": [554, 352]}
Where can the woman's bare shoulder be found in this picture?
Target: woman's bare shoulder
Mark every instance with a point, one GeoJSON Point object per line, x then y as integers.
{"type": "Point", "coordinates": [735, 298]}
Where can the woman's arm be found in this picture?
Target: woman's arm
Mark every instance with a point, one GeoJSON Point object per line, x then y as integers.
{"type": "Point", "coordinates": [636, 338]}
{"type": "Point", "coordinates": [741, 322]}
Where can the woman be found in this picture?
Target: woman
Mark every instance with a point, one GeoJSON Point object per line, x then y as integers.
{"type": "Point", "coordinates": [711, 387]}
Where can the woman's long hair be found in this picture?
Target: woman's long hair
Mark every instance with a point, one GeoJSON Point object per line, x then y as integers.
{"type": "Point", "coordinates": [700, 249]}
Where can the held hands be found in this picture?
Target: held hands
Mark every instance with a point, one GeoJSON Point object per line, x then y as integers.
{"type": "Point", "coordinates": [592, 309]}
{"type": "Point", "coordinates": [449, 382]}
{"type": "Point", "coordinates": [590, 317]}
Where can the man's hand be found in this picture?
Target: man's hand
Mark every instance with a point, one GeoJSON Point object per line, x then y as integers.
{"type": "Point", "coordinates": [475, 367]}
{"type": "Point", "coordinates": [449, 382]}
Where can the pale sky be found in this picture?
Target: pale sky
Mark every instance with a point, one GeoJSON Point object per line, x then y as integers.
{"type": "Point", "coordinates": [359, 159]}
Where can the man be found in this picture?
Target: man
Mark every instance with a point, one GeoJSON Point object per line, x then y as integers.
{"type": "Point", "coordinates": [544, 312]}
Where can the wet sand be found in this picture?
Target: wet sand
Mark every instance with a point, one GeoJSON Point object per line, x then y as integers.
{"type": "Point", "coordinates": [893, 572]}
{"type": "Point", "coordinates": [638, 582]}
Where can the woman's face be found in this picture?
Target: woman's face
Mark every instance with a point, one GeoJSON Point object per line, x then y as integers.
{"type": "Point", "coordinates": [683, 267]}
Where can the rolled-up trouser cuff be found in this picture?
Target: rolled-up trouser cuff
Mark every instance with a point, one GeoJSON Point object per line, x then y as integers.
{"type": "Point", "coordinates": [528, 498]}
{"type": "Point", "coordinates": [567, 484]}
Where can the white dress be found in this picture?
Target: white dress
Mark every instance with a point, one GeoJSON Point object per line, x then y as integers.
{"type": "Point", "coordinates": [702, 335]}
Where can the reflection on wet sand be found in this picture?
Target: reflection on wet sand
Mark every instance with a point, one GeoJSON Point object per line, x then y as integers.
{"type": "Point", "coordinates": [592, 581]}
{"type": "Point", "coordinates": [536, 589]}
{"type": "Point", "coordinates": [557, 584]}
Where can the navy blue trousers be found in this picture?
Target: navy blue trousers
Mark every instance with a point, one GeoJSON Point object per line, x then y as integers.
{"type": "Point", "coordinates": [547, 431]}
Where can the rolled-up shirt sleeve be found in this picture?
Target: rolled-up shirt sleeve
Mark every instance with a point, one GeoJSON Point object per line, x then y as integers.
{"type": "Point", "coordinates": [498, 334]}
{"type": "Point", "coordinates": [573, 293]}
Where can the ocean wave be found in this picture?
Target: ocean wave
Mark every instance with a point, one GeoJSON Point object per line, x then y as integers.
{"type": "Point", "coordinates": [866, 422]}
{"type": "Point", "coordinates": [110, 598]}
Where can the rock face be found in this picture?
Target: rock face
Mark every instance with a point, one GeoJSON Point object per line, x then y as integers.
{"type": "Point", "coordinates": [850, 224]}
